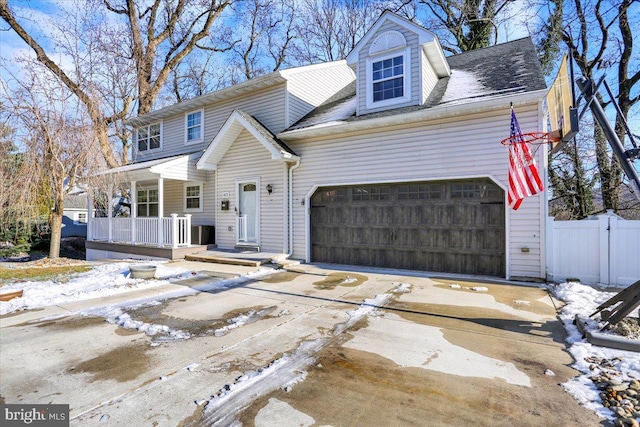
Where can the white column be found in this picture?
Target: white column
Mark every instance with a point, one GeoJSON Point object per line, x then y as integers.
{"type": "Point", "coordinates": [160, 211]}
{"type": "Point", "coordinates": [89, 215]}
{"type": "Point", "coordinates": [174, 230]}
{"type": "Point", "coordinates": [188, 229]}
{"type": "Point", "coordinates": [134, 211]}
{"type": "Point", "coordinates": [110, 211]}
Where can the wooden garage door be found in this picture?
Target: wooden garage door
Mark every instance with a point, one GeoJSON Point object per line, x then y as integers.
{"type": "Point", "coordinates": [447, 226]}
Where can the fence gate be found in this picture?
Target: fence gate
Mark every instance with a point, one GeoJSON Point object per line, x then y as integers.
{"type": "Point", "coordinates": [602, 250]}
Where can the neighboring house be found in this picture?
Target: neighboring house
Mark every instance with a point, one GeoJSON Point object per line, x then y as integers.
{"type": "Point", "coordinates": [391, 158]}
{"type": "Point", "coordinates": [74, 215]}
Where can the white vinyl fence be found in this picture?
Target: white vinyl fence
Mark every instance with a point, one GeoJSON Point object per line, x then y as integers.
{"type": "Point", "coordinates": [603, 250]}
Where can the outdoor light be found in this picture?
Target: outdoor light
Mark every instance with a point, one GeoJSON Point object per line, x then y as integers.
{"type": "Point", "coordinates": [269, 188]}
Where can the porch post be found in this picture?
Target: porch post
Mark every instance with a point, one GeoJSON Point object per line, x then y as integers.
{"type": "Point", "coordinates": [188, 230]}
{"type": "Point", "coordinates": [160, 211]}
{"type": "Point", "coordinates": [174, 230]}
{"type": "Point", "coordinates": [133, 214]}
{"type": "Point", "coordinates": [89, 215]}
{"type": "Point", "coordinates": [110, 212]}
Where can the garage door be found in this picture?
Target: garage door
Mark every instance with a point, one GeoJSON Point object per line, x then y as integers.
{"type": "Point", "coordinates": [445, 226]}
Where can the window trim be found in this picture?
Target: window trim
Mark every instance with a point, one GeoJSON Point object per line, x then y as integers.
{"type": "Point", "coordinates": [186, 127]}
{"type": "Point", "coordinates": [138, 203]}
{"type": "Point", "coordinates": [148, 127]}
{"type": "Point", "coordinates": [405, 52]}
{"type": "Point", "coordinates": [200, 197]}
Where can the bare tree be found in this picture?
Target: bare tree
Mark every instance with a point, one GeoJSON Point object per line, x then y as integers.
{"type": "Point", "coordinates": [329, 29]}
{"type": "Point", "coordinates": [150, 39]}
{"type": "Point", "coordinates": [473, 24]}
{"type": "Point", "coordinates": [57, 143]}
{"type": "Point", "coordinates": [599, 36]}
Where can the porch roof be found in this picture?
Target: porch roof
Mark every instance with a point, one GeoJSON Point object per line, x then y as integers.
{"type": "Point", "coordinates": [181, 168]}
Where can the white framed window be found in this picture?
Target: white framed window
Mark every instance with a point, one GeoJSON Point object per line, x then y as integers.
{"type": "Point", "coordinates": [194, 129]}
{"type": "Point", "coordinates": [389, 78]}
{"type": "Point", "coordinates": [147, 201]}
{"type": "Point", "coordinates": [149, 137]}
{"type": "Point", "coordinates": [80, 218]}
{"type": "Point", "coordinates": [193, 197]}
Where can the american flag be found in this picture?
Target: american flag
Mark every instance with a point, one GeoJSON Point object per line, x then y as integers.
{"type": "Point", "coordinates": [524, 179]}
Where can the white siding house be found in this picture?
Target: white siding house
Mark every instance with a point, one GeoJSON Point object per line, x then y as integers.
{"type": "Point", "coordinates": [391, 158]}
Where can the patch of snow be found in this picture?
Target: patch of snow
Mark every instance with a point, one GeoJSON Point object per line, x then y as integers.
{"type": "Point", "coordinates": [464, 84]}
{"type": "Point", "coordinates": [103, 280]}
{"type": "Point", "coordinates": [521, 302]}
{"type": "Point", "coordinates": [583, 300]}
{"type": "Point", "coordinates": [403, 288]}
{"type": "Point", "coordinates": [238, 321]}
{"type": "Point", "coordinates": [549, 372]}
{"type": "Point", "coordinates": [349, 280]}
{"type": "Point", "coordinates": [337, 113]}
{"type": "Point", "coordinates": [117, 316]}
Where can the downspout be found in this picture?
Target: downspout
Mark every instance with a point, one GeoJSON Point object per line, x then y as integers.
{"type": "Point", "coordinates": [291, 169]}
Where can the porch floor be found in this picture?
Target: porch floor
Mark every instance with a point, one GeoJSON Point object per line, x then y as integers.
{"type": "Point", "coordinates": [246, 258]}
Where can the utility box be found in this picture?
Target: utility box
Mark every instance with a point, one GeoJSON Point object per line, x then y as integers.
{"type": "Point", "coordinates": [203, 234]}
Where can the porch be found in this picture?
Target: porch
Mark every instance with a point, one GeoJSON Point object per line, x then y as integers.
{"type": "Point", "coordinates": [171, 232]}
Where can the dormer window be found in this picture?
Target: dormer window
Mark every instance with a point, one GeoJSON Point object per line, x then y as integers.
{"type": "Point", "coordinates": [388, 70]}
{"type": "Point", "coordinates": [193, 127]}
{"type": "Point", "coordinates": [149, 137]}
{"type": "Point", "coordinates": [388, 79]}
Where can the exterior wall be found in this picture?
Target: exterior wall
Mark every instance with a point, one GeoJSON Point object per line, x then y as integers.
{"type": "Point", "coordinates": [174, 201]}
{"type": "Point", "coordinates": [249, 159]}
{"type": "Point", "coordinates": [305, 91]}
{"type": "Point", "coordinates": [429, 77]}
{"type": "Point", "coordinates": [70, 228]}
{"type": "Point", "coordinates": [416, 60]}
{"type": "Point", "coordinates": [267, 106]}
{"type": "Point", "coordinates": [456, 147]}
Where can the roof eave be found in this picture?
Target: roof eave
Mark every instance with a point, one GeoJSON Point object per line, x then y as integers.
{"type": "Point", "coordinates": [436, 112]}
{"type": "Point", "coordinates": [195, 103]}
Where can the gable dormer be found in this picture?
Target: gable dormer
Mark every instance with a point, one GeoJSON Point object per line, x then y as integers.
{"type": "Point", "coordinates": [397, 64]}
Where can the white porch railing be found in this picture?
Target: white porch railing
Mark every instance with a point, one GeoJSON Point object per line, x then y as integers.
{"type": "Point", "coordinates": [173, 232]}
{"type": "Point", "coordinates": [242, 228]}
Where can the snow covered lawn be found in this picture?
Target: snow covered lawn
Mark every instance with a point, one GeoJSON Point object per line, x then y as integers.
{"type": "Point", "coordinates": [593, 361]}
{"type": "Point", "coordinates": [103, 280]}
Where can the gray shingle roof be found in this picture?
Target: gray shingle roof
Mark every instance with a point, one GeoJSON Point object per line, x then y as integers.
{"type": "Point", "coordinates": [503, 69]}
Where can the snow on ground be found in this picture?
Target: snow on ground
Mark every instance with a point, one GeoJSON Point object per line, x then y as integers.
{"type": "Point", "coordinates": [103, 280]}
{"type": "Point", "coordinates": [582, 300]}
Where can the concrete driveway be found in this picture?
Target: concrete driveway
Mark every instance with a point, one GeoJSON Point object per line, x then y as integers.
{"type": "Point", "coordinates": [311, 346]}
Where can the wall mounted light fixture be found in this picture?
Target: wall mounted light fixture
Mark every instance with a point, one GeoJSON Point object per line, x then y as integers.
{"type": "Point", "coordinates": [269, 188]}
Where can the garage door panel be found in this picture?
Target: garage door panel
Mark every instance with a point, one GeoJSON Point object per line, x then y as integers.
{"type": "Point", "coordinates": [455, 226]}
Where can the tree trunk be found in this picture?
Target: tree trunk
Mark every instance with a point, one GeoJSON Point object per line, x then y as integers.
{"type": "Point", "coordinates": [56, 233]}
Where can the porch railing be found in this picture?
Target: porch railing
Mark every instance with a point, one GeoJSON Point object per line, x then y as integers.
{"type": "Point", "coordinates": [242, 228]}
{"type": "Point", "coordinates": [173, 232]}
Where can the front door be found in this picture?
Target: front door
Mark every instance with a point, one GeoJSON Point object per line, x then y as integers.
{"type": "Point", "coordinates": [247, 212]}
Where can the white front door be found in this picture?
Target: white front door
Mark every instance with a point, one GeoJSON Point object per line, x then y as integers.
{"type": "Point", "coordinates": [248, 212]}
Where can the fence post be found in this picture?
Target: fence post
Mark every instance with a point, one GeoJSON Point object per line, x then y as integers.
{"type": "Point", "coordinates": [550, 261]}
{"type": "Point", "coordinates": [603, 249]}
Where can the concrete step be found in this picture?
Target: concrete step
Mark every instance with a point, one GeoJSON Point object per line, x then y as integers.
{"type": "Point", "coordinates": [249, 259]}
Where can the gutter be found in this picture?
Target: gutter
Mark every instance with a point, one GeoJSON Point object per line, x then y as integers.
{"type": "Point", "coordinates": [433, 113]}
